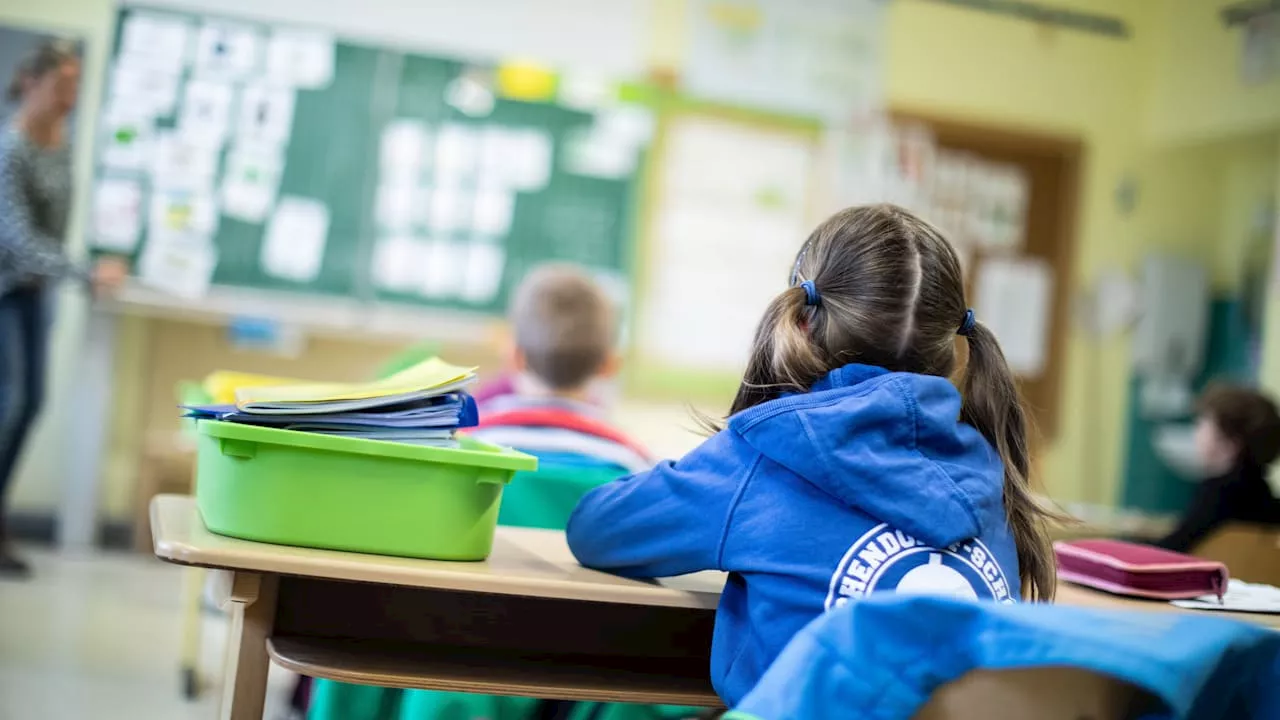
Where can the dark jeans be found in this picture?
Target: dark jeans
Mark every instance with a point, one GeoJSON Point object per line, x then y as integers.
{"type": "Point", "coordinates": [24, 342]}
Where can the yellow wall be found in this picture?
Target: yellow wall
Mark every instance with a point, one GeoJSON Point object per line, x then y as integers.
{"type": "Point", "coordinates": [1196, 90]}
{"type": "Point", "coordinates": [1271, 348]}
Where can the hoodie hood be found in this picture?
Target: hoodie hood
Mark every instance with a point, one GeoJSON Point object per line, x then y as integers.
{"type": "Point", "coordinates": [888, 444]}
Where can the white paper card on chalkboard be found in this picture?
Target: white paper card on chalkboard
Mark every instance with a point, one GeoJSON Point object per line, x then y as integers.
{"type": "Point", "coordinates": [404, 151]}
{"type": "Point", "coordinates": [630, 123]}
{"type": "Point", "coordinates": [266, 115]}
{"type": "Point", "coordinates": [444, 269]}
{"type": "Point", "coordinates": [585, 91]}
{"type": "Point", "coordinates": [144, 90]}
{"type": "Point", "coordinates": [457, 154]}
{"type": "Point", "coordinates": [296, 237]}
{"type": "Point", "coordinates": [485, 263]}
{"type": "Point", "coordinates": [531, 153]}
{"type": "Point", "coordinates": [250, 182]}
{"type": "Point", "coordinates": [1013, 299]}
{"type": "Point", "coordinates": [180, 162]}
{"type": "Point", "coordinates": [494, 209]}
{"type": "Point", "coordinates": [591, 153]}
{"type": "Point", "coordinates": [227, 51]}
{"type": "Point", "coordinates": [178, 264]}
{"type": "Point", "coordinates": [449, 209]}
{"type": "Point", "coordinates": [117, 215]}
{"type": "Point", "coordinates": [155, 40]}
{"type": "Point", "coordinates": [127, 138]}
{"type": "Point", "coordinates": [397, 264]}
{"type": "Point", "coordinates": [396, 207]}
{"type": "Point", "coordinates": [206, 112]}
{"type": "Point", "coordinates": [182, 212]}
{"type": "Point", "coordinates": [300, 58]}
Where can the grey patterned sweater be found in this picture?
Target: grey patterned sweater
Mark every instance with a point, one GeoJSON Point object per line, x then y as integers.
{"type": "Point", "coordinates": [35, 199]}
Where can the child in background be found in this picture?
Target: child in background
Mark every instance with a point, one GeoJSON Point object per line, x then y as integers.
{"type": "Point", "coordinates": [565, 331]}
{"type": "Point", "coordinates": [849, 463]}
{"type": "Point", "coordinates": [1237, 438]}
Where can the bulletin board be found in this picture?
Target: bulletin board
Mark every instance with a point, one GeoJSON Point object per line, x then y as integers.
{"type": "Point", "coordinates": [240, 154]}
{"type": "Point", "coordinates": [727, 204]}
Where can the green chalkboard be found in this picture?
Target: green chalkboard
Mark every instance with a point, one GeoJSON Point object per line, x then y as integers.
{"type": "Point", "coordinates": [333, 155]}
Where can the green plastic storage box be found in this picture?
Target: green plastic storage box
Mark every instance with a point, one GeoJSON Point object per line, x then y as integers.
{"type": "Point", "coordinates": [298, 488]}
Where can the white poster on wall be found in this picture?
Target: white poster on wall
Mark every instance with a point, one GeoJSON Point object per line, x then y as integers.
{"type": "Point", "coordinates": [816, 58]}
{"type": "Point", "coordinates": [1013, 298]}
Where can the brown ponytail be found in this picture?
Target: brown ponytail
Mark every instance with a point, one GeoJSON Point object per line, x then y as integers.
{"type": "Point", "coordinates": [991, 403]}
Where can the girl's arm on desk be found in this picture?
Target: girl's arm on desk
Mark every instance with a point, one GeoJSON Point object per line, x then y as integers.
{"type": "Point", "coordinates": [670, 520]}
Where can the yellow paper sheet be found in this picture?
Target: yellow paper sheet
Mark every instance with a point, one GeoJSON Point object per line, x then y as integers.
{"type": "Point", "coordinates": [223, 384]}
{"type": "Point", "coordinates": [426, 375]}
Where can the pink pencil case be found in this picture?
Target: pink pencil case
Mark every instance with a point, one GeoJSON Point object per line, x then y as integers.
{"type": "Point", "coordinates": [1127, 568]}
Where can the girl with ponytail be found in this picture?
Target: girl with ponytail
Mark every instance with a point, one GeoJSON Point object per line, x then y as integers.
{"type": "Point", "coordinates": [849, 463]}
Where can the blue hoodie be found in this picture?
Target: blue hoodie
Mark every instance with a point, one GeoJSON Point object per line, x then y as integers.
{"type": "Point", "coordinates": [886, 657]}
{"type": "Point", "coordinates": [866, 483]}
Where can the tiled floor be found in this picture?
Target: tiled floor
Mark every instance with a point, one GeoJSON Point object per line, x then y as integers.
{"type": "Point", "coordinates": [99, 637]}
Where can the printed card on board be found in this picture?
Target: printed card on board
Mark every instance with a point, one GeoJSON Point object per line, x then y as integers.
{"type": "Point", "coordinates": [206, 112]}
{"type": "Point", "coordinates": [266, 115]}
{"type": "Point", "coordinates": [127, 138]}
{"type": "Point", "coordinates": [155, 40]}
{"type": "Point", "coordinates": [179, 162]}
{"type": "Point", "coordinates": [250, 182]}
{"type": "Point", "coordinates": [228, 51]}
{"type": "Point", "coordinates": [117, 215]}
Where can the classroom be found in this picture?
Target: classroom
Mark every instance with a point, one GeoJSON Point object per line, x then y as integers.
{"type": "Point", "coordinates": [406, 360]}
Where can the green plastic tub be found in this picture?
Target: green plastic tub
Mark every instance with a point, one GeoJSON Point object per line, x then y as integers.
{"type": "Point", "coordinates": [297, 488]}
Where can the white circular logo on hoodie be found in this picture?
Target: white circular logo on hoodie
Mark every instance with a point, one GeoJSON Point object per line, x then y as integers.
{"type": "Point", "coordinates": [884, 559]}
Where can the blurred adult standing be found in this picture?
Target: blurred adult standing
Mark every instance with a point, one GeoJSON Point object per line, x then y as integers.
{"type": "Point", "coordinates": [35, 199]}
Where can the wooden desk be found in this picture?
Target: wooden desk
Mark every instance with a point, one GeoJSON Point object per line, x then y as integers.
{"type": "Point", "coordinates": [1076, 595]}
{"type": "Point", "coordinates": [529, 621]}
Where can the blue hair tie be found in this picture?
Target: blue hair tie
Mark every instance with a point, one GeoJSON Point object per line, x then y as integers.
{"type": "Point", "coordinates": [811, 296]}
{"type": "Point", "coordinates": [966, 326]}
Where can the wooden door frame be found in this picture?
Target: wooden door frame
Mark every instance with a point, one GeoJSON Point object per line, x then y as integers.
{"type": "Point", "coordinates": [1066, 153]}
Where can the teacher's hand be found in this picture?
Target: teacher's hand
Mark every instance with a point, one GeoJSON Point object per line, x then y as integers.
{"type": "Point", "coordinates": [109, 273]}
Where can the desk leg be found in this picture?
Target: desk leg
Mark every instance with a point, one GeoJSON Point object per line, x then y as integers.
{"type": "Point", "coordinates": [252, 603]}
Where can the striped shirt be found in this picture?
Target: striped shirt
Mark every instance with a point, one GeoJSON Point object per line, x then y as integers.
{"type": "Point", "coordinates": [35, 200]}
